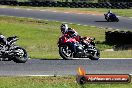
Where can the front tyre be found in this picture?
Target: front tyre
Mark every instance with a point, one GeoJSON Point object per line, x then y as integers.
{"type": "Point", "coordinates": [95, 56]}
{"type": "Point", "coordinates": [117, 19]}
{"type": "Point", "coordinates": [20, 55]}
{"type": "Point", "coordinates": [65, 52]}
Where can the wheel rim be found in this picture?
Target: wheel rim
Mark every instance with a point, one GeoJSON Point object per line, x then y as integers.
{"type": "Point", "coordinates": [96, 54]}
{"type": "Point", "coordinates": [20, 53]}
{"type": "Point", "coordinates": [66, 51]}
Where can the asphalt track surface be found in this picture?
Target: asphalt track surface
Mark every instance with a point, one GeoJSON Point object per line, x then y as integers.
{"type": "Point", "coordinates": [84, 19]}
{"type": "Point", "coordinates": [39, 67]}
{"type": "Point", "coordinates": [43, 67]}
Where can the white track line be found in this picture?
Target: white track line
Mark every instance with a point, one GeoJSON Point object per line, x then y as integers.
{"type": "Point", "coordinates": [16, 8]}
{"type": "Point", "coordinates": [29, 9]}
{"type": "Point", "coordinates": [66, 12]}
{"type": "Point", "coordinates": [92, 26]}
{"type": "Point", "coordinates": [40, 75]}
{"type": "Point", "coordinates": [94, 14]}
{"type": "Point", "coordinates": [85, 25]}
{"type": "Point", "coordinates": [117, 58]}
{"type": "Point", "coordinates": [54, 11]}
{"type": "Point", "coordinates": [50, 75]}
{"type": "Point", "coordinates": [79, 13]}
{"type": "Point", "coordinates": [64, 22]}
{"type": "Point", "coordinates": [118, 16]}
{"type": "Point", "coordinates": [42, 10]}
{"type": "Point", "coordinates": [70, 23]}
{"type": "Point", "coordinates": [117, 29]}
{"type": "Point", "coordinates": [46, 20]}
{"type": "Point", "coordinates": [78, 24]}
{"type": "Point", "coordinates": [99, 58]}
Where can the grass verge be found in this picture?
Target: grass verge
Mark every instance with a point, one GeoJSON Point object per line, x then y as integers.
{"type": "Point", "coordinates": [52, 82]}
{"type": "Point", "coordinates": [39, 37]}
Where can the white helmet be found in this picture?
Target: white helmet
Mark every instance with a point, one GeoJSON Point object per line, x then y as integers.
{"type": "Point", "coordinates": [64, 28]}
{"type": "Point", "coordinates": [109, 11]}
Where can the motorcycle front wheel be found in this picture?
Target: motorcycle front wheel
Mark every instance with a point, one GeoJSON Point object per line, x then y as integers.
{"type": "Point", "coordinates": [117, 19]}
{"type": "Point", "coordinates": [20, 55]}
{"type": "Point", "coordinates": [65, 52]}
{"type": "Point", "coordinates": [95, 56]}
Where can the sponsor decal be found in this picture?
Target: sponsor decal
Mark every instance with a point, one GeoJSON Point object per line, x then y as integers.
{"type": "Point", "coordinates": [83, 78]}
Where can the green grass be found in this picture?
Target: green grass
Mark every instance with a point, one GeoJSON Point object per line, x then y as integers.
{"type": "Point", "coordinates": [52, 82]}
{"type": "Point", "coordinates": [117, 54]}
{"type": "Point", "coordinates": [39, 37]}
{"type": "Point", "coordinates": [120, 12]}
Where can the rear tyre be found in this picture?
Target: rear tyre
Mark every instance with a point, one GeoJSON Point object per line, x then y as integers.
{"type": "Point", "coordinates": [109, 20]}
{"type": "Point", "coordinates": [117, 20]}
{"type": "Point", "coordinates": [20, 55]}
{"type": "Point", "coordinates": [65, 52]}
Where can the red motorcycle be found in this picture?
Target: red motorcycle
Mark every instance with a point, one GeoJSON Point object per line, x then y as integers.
{"type": "Point", "coordinates": [70, 48]}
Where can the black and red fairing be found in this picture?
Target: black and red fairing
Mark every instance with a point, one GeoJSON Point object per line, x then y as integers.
{"type": "Point", "coordinates": [66, 39]}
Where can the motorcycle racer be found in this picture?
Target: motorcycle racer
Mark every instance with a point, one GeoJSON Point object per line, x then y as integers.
{"type": "Point", "coordinates": [3, 39]}
{"type": "Point", "coordinates": [71, 45]}
{"type": "Point", "coordinates": [109, 13]}
{"type": "Point", "coordinates": [111, 17]}
{"type": "Point", "coordinates": [70, 32]}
